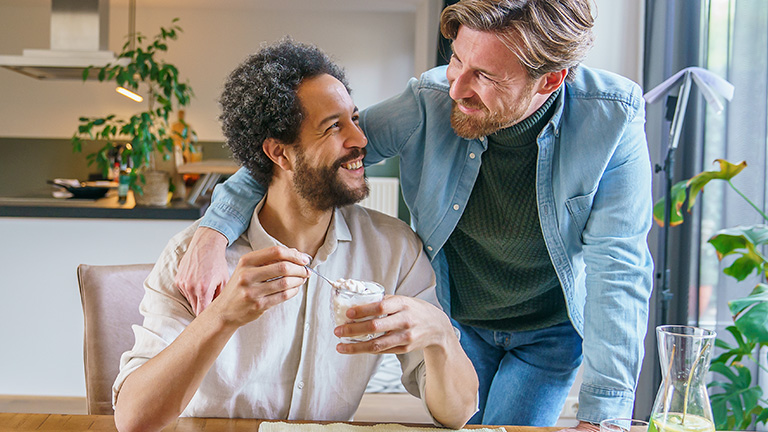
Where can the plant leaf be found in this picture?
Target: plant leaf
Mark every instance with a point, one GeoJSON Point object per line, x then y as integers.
{"type": "Point", "coordinates": [727, 171]}
{"type": "Point", "coordinates": [742, 267]}
{"type": "Point", "coordinates": [763, 416]}
{"type": "Point", "coordinates": [754, 323]}
{"type": "Point", "coordinates": [725, 371]}
{"type": "Point", "coordinates": [719, 412]}
{"type": "Point", "coordinates": [77, 144]}
{"type": "Point", "coordinates": [677, 195]}
{"type": "Point", "coordinates": [742, 241]}
{"type": "Point", "coordinates": [745, 347]}
{"type": "Point", "coordinates": [758, 294]}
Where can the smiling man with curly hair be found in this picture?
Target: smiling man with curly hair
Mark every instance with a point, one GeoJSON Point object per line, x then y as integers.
{"type": "Point", "coordinates": [268, 346]}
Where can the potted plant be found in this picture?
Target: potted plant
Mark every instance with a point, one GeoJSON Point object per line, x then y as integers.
{"type": "Point", "coordinates": [148, 134]}
{"type": "Point", "coordinates": [738, 402]}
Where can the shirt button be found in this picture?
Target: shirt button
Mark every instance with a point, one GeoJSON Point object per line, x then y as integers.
{"type": "Point", "coordinates": [300, 385]}
{"type": "Point", "coordinates": [306, 327]}
{"type": "Point", "coordinates": [429, 248]}
{"type": "Point", "coordinates": [471, 155]}
{"type": "Point", "coordinates": [455, 206]}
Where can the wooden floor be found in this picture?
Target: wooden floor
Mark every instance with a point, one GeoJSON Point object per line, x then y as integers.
{"type": "Point", "coordinates": [43, 404]}
{"type": "Point", "coordinates": [375, 407]}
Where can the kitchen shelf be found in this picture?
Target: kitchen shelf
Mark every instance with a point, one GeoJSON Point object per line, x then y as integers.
{"type": "Point", "coordinates": [211, 170]}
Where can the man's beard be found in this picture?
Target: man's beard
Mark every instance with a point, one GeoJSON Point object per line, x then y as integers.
{"type": "Point", "coordinates": [322, 187]}
{"type": "Point", "coordinates": [473, 127]}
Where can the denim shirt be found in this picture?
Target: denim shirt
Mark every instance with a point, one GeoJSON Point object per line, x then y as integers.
{"type": "Point", "coordinates": [593, 183]}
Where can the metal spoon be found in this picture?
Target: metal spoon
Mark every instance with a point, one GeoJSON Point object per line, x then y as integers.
{"type": "Point", "coordinates": [333, 284]}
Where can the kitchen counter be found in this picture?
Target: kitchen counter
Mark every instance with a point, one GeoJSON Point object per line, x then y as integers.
{"type": "Point", "coordinates": [45, 206]}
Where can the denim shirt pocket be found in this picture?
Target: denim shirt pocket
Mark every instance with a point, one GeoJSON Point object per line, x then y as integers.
{"type": "Point", "coordinates": [579, 208]}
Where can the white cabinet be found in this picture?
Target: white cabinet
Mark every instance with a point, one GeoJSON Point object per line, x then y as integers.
{"type": "Point", "coordinates": [41, 320]}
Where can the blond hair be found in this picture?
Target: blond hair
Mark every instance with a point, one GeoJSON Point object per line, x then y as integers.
{"type": "Point", "coordinates": [545, 35]}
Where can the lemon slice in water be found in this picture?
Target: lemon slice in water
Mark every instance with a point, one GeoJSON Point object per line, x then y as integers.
{"type": "Point", "coordinates": [672, 422]}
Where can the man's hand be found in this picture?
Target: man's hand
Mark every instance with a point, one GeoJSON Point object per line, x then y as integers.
{"type": "Point", "coordinates": [203, 269]}
{"type": "Point", "coordinates": [582, 427]}
{"type": "Point", "coordinates": [411, 324]}
{"type": "Point", "coordinates": [408, 324]}
{"type": "Point", "coordinates": [262, 279]}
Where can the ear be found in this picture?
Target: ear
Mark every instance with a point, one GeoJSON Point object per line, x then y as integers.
{"type": "Point", "coordinates": [276, 152]}
{"type": "Point", "coordinates": [551, 81]}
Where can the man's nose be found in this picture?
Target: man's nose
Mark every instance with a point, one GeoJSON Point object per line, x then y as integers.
{"type": "Point", "coordinates": [461, 87]}
{"type": "Point", "coordinates": [356, 138]}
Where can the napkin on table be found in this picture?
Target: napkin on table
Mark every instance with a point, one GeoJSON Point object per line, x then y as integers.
{"type": "Point", "coordinates": [343, 427]}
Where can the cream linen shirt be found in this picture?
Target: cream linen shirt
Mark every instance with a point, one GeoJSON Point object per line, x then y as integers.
{"type": "Point", "coordinates": [284, 365]}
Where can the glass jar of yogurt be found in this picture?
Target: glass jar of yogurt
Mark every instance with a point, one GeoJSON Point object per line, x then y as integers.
{"type": "Point", "coordinates": [348, 293]}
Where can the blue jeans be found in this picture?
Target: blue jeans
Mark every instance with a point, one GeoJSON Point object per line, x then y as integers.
{"type": "Point", "coordinates": [524, 376]}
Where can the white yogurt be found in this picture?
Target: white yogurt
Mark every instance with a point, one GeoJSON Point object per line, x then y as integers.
{"type": "Point", "coordinates": [359, 287]}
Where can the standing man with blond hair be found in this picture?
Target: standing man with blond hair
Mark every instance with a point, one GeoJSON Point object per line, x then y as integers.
{"type": "Point", "coordinates": [528, 180]}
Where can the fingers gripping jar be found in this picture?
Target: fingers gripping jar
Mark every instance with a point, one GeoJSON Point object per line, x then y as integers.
{"type": "Point", "coordinates": [348, 293]}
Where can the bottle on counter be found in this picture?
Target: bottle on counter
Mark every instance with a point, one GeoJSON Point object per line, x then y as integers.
{"type": "Point", "coordinates": [186, 151]}
{"type": "Point", "coordinates": [114, 173]}
{"type": "Point", "coordinates": [124, 180]}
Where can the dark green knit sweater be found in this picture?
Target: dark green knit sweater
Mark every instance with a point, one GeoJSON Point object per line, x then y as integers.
{"type": "Point", "coordinates": [501, 275]}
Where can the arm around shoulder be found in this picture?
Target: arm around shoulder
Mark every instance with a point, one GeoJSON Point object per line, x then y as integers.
{"type": "Point", "coordinates": [389, 124]}
{"type": "Point", "coordinates": [232, 205]}
{"type": "Point", "coordinates": [203, 268]}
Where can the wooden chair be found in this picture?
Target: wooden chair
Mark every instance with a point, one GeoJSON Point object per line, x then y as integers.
{"type": "Point", "coordinates": [110, 296]}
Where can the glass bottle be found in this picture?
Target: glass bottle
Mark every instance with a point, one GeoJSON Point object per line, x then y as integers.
{"type": "Point", "coordinates": [124, 183]}
{"type": "Point", "coordinates": [682, 403]}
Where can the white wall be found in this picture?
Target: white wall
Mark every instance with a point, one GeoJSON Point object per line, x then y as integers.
{"type": "Point", "coordinates": [376, 48]}
{"type": "Point", "coordinates": [618, 38]}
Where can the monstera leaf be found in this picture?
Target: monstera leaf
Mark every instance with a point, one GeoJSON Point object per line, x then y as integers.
{"type": "Point", "coordinates": [741, 241]}
{"type": "Point", "coordinates": [736, 405]}
{"type": "Point", "coordinates": [694, 185]}
{"type": "Point", "coordinates": [678, 198]}
{"type": "Point", "coordinates": [727, 172]}
{"type": "Point", "coordinates": [752, 313]}
{"type": "Point", "coordinates": [744, 348]}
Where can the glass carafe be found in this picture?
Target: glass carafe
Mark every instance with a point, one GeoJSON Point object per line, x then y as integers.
{"type": "Point", "coordinates": [682, 403]}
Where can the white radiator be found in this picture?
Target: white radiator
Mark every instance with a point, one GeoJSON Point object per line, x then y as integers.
{"type": "Point", "coordinates": [384, 196]}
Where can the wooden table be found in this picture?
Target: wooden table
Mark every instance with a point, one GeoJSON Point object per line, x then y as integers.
{"type": "Point", "coordinates": [106, 423]}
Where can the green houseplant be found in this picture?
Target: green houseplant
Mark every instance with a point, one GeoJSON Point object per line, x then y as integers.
{"type": "Point", "coordinates": [737, 402]}
{"type": "Point", "coordinates": [148, 132]}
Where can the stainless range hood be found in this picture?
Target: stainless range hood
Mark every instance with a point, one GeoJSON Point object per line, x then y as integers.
{"type": "Point", "coordinates": [79, 38]}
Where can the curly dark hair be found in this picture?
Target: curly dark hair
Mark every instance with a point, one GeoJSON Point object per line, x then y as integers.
{"type": "Point", "coordinates": [259, 100]}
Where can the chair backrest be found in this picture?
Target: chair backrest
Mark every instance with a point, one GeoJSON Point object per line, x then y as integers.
{"type": "Point", "coordinates": [110, 296]}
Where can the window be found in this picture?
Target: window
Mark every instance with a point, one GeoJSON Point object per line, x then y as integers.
{"type": "Point", "coordinates": [737, 50]}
